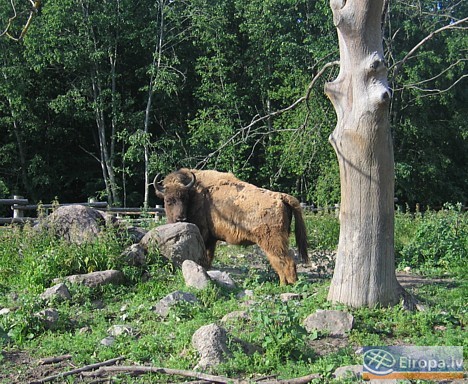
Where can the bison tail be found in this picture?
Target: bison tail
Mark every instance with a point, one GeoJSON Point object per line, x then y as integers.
{"type": "Point", "coordinates": [300, 227]}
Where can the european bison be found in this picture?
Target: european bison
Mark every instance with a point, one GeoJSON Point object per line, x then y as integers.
{"type": "Point", "coordinates": [226, 208]}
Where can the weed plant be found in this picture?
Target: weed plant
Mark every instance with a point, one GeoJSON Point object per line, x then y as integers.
{"type": "Point", "coordinates": [433, 243]}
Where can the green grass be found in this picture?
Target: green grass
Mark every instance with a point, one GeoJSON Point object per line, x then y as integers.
{"type": "Point", "coordinates": [29, 261]}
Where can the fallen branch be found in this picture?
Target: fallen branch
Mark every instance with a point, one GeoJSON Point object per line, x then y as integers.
{"type": "Point", "coordinates": [296, 380]}
{"type": "Point", "coordinates": [78, 370]}
{"type": "Point", "coordinates": [143, 369]}
{"type": "Point", "coordinates": [139, 370]}
{"type": "Point", "coordinates": [53, 359]}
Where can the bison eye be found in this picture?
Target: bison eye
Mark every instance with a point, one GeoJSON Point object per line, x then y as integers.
{"type": "Point", "coordinates": [170, 202]}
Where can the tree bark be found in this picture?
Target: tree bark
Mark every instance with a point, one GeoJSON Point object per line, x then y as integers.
{"type": "Point", "coordinates": [365, 267]}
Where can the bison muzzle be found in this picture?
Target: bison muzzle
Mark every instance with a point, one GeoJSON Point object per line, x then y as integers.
{"type": "Point", "coordinates": [228, 209]}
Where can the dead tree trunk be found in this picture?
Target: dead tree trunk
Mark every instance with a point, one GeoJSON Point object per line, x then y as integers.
{"type": "Point", "coordinates": [365, 267]}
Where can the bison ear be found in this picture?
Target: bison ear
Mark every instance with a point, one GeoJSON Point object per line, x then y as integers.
{"type": "Point", "coordinates": [159, 189]}
{"type": "Point", "coordinates": [191, 182]}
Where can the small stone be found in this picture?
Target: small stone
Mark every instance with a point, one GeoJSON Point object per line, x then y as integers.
{"type": "Point", "coordinates": [246, 293]}
{"type": "Point", "coordinates": [108, 341]}
{"type": "Point", "coordinates": [211, 343]}
{"type": "Point", "coordinates": [59, 291]}
{"type": "Point", "coordinates": [348, 371]}
{"type": "Point", "coordinates": [284, 297]}
{"type": "Point", "coordinates": [236, 316]}
{"type": "Point", "coordinates": [49, 317]}
{"type": "Point", "coordinates": [118, 330]}
{"type": "Point", "coordinates": [134, 255]}
{"type": "Point", "coordinates": [337, 323]}
{"type": "Point", "coordinates": [4, 311]}
{"type": "Point", "coordinates": [195, 275]}
{"type": "Point", "coordinates": [223, 279]}
{"type": "Point", "coordinates": [164, 305]}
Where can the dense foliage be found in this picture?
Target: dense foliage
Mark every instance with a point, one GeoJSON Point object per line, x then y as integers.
{"type": "Point", "coordinates": [99, 91]}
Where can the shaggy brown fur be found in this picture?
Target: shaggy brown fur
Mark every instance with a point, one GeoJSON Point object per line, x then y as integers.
{"type": "Point", "coordinates": [226, 208]}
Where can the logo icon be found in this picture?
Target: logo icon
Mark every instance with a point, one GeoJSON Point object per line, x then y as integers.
{"type": "Point", "coordinates": [379, 361]}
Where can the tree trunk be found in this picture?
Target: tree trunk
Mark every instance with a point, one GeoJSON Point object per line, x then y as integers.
{"type": "Point", "coordinates": [106, 158]}
{"type": "Point", "coordinates": [365, 267]}
{"type": "Point", "coordinates": [155, 68]}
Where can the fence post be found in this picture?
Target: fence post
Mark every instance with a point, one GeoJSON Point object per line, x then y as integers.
{"type": "Point", "coordinates": [17, 213]}
{"type": "Point", "coordinates": [157, 216]}
{"type": "Point", "coordinates": [337, 210]}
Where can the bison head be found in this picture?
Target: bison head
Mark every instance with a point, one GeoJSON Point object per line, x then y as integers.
{"type": "Point", "coordinates": [175, 190]}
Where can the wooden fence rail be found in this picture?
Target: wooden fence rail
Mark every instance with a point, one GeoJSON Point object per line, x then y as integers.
{"type": "Point", "coordinates": [19, 206]}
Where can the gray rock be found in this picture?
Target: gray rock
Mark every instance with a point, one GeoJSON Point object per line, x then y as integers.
{"type": "Point", "coordinates": [211, 343]}
{"type": "Point", "coordinates": [236, 316]}
{"type": "Point", "coordinates": [177, 242]}
{"type": "Point", "coordinates": [245, 294]}
{"type": "Point", "coordinates": [75, 223]}
{"type": "Point", "coordinates": [5, 311]}
{"type": "Point", "coordinates": [118, 330]}
{"type": "Point", "coordinates": [108, 341]}
{"type": "Point", "coordinates": [134, 255]}
{"type": "Point", "coordinates": [164, 305]}
{"type": "Point", "coordinates": [195, 275]}
{"type": "Point", "coordinates": [284, 297]}
{"type": "Point", "coordinates": [222, 278]}
{"type": "Point", "coordinates": [59, 291]}
{"type": "Point", "coordinates": [348, 371]}
{"type": "Point", "coordinates": [95, 279]}
{"type": "Point", "coordinates": [136, 233]}
{"type": "Point", "coordinates": [337, 323]}
{"type": "Point", "coordinates": [49, 318]}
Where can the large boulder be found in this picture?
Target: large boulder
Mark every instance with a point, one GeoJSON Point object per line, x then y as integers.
{"type": "Point", "coordinates": [76, 223]}
{"type": "Point", "coordinates": [177, 242]}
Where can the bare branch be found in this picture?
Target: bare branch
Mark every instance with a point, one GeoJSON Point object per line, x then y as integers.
{"type": "Point", "coordinates": [53, 359]}
{"type": "Point", "coordinates": [432, 92]}
{"type": "Point", "coordinates": [245, 132]}
{"type": "Point", "coordinates": [5, 32]}
{"type": "Point", "coordinates": [36, 5]}
{"type": "Point", "coordinates": [78, 370]}
{"type": "Point", "coordinates": [142, 369]}
{"type": "Point", "coordinates": [455, 25]}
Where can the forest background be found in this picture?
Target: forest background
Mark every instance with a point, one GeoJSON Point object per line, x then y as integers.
{"type": "Point", "coordinates": [100, 96]}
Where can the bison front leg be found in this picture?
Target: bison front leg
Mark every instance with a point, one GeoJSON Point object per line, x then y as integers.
{"type": "Point", "coordinates": [285, 268]}
{"type": "Point", "coordinates": [210, 246]}
{"type": "Point", "coordinates": [284, 265]}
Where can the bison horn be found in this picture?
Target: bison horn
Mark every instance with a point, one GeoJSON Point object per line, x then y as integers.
{"type": "Point", "coordinates": [191, 182]}
{"type": "Point", "coordinates": [156, 184]}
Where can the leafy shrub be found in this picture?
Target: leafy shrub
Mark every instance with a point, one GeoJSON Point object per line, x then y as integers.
{"type": "Point", "coordinates": [283, 336]}
{"type": "Point", "coordinates": [436, 242]}
{"type": "Point", "coordinates": [323, 230]}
